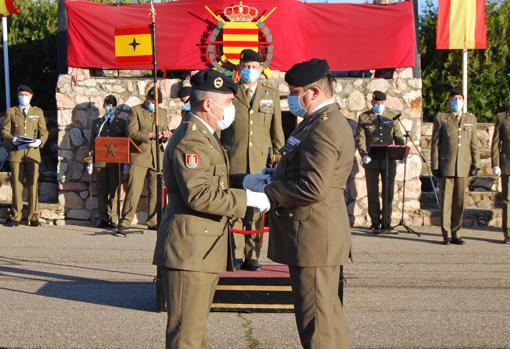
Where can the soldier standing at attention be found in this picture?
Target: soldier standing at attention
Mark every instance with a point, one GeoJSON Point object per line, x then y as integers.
{"type": "Point", "coordinates": [376, 127]}
{"type": "Point", "coordinates": [107, 175]}
{"type": "Point", "coordinates": [141, 129]}
{"type": "Point", "coordinates": [192, 241]}
{"type": "Point", "coordinates": [500, 154]}
{"type": "Point", "coordinates": [257, 129]}
{"type": "Point", "coordinates": [309, 223]}
{"type": "Point", "coordinates": [24, 121]}
{"type": "Point", "coordinates": [454, 157]}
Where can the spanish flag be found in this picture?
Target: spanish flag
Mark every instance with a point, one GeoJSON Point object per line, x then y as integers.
{"type": "Point", "coordinates": [7, 8]}
{"type": "Point", "coordinates": [133, 46]}
{"type": "Point", "coordinates": [461, 25]}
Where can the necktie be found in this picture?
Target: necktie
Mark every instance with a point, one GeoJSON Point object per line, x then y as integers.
{"type": "Point", "coordinates": [249, 93]}
{"type": "Point", "coordinates": [25, 112]}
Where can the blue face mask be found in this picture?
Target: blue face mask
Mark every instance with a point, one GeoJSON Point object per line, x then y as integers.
{"type": "Point", "coordinates": [457, 105]}
{"type": "Point", "coordinates": [249, 75]}
{"type": "Point", "coordinates": [24, 100]}
{"type": "Point", "coordinates": [378, 108]}
{"type": "Point", "coordinates": [295, 105]}
{"type": "Point", "coordinates": [109, 110]}
{"type": "Point", "coordinates": [151, 107]}
{"type": "Point", "coordinates": [186, 107]}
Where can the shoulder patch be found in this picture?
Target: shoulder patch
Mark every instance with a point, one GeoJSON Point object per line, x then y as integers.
{"type": "Point", "coordinates": [191, 161]}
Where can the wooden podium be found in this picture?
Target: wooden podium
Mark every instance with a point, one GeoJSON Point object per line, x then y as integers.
{"type": "Point", "coordinates": [115, 150]}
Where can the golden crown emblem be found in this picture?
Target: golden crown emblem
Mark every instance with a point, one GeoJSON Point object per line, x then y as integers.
{"type": "Point", "coordinates": [240, 13]}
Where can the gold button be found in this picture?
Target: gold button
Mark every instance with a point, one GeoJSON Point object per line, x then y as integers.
{"type": "Point", "coordinates": [205, 231]}
{"type": "Point", "coordinates": [460, 129]}
{"type": "Point", "coordinates": [458, 144]}
{"type": "Point", "coordinates": [251, 111]}
{"type": "Point", "coordinates": [291, 214]}
{"type": "Point", "coordinates": [284, 153]}
{"type": "Point", "coordinates": [459, 137]}
{"type": "Point", "coordinates": [251, 133]}
{"type": "Point", "coordinates": [251, 122]}
{"type": "Point", "coordinates": [251, 144]}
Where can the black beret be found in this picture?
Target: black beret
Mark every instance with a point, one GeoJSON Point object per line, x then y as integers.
{"type": "Point", "coordinates": [305, 73]}
{"type": "Point", "coordinates": [212, 81]}
{"type": "Point", "coordinates": [378, 96]}
{"type": "Point", "coordinates": [150, 95]}
{"type": "Point", "coordinates": [248, 55]}
{"type": "Point", "coordinates": [454, 93]}
{"type": "Point", "coordinates": [25, 88]}
{"type": "Point", "coordinates": [184, 92]}
{"type": "Point", "coordinates": [110, 100]}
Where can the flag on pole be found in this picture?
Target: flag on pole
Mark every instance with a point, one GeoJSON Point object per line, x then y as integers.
{"type": "Point", "coordinates": [133, 46]}
{"type": "Point", "coordinates": [7, 8]}
{"type": "Point", "coordinates": [461, 25]}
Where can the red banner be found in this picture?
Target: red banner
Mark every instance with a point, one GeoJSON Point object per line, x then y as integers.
{"type": "Point", "coordinates": [349, 36]}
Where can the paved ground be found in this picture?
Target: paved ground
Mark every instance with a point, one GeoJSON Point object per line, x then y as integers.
{"type": "Point", "coordinates": [76, 287]}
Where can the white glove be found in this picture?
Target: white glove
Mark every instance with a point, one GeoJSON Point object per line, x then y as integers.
{"type": "Point", "coordinates": [256, 182]}
{"type": "Point", "coordinates": [90, 167]}
{"type": "Point", "coordinates": [268, 171]}
{"type": "Point", "coordinates": [15, 140]}
{"type": "Point", "coordinates": [496, 170]}
{"type": "Point", "coordinates": [258, 200]}
{"type": "Point", "coordinates": [35, 143]}
{"type": "Point", "coordinates": [366, 159]}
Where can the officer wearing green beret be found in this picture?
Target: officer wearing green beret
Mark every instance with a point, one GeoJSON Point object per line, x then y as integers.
{"type": "Point", "coordinates": [454, 157]}
{"type": "Point", "coordinates": [24, 128]}
{"type": "Point", "coordinates": [309, 223]}
{"type": "Point", "coordinates": [107, 175]}
{"type": "Point", "coordinates": [141, 128]}
{"type": "Point", "coordinates": [376, 126]}
{"type": "Point", "coordinates": [192, 242]}
{"type": "Point", "coordinates": [500, 155]}
{"type": "Point", "coordinates": [256, 129]}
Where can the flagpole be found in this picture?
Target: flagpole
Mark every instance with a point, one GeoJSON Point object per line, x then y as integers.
{"type": "Point", "coordinates": [465, 77]}
{"type": "Point", "coordinates": [6, 63]}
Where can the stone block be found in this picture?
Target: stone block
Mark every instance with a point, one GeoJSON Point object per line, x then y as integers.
{"type": "Point", "coordinates": [132, 101]}
{"type": "Point", "coordinates": [70, 200]}
{"type": "Point", "coordinates": [64, 140]}
{"type": "Point", "coordinates": [394, 103]}
{"type": "Point", "coordinates": [48, 191]}
{"type": "Point", "coordinates": [51, 214]}
{"type": "Point", "coordinates": [72, 186]}
{"type": "Point", "coordinates": [78, 214]}
{"type": "Point", "coordinates": [76, 136]}
{"type": "Point", "coordinates": [378, 84]}
{"type": "Point", "coordinates": [357, 101]}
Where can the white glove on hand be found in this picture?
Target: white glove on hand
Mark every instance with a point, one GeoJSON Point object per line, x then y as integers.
{"type": "Point", "coordinates": [366, 159]}
{"type": "Point", "coordinates": [256, 182]}
{"type": "Point", "coordinates": [258, 200]}
{"type": "Point", "coordinates": [90, 167]}
{"type": "Point", "coordinates": [496, 170]}
{"type": "Point", "coordinates": [35, 143]}
{"type": "Point", "coordinates": [15, 140]}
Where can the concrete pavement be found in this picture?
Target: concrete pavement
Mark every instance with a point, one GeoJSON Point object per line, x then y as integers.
{"type": "Point", "coordinates": [77, 287]}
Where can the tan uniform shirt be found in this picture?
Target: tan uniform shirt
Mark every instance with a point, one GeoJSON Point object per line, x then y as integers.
{"type": "Point", "coordinates": [500, 148]}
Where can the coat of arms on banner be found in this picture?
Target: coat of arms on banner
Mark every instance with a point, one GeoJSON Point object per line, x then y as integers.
{"type": "Point", "coordinates": [242, 29]}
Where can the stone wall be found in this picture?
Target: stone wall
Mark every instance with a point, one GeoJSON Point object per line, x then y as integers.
{"type": "Point", "coordinates": [80, 96]}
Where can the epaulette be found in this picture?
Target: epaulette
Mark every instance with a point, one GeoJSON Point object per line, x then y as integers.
{"type": "Point", "coordinates": [269, 85]}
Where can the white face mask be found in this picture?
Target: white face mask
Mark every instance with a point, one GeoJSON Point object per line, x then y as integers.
{"type": "Point", "coordinates": [229, 114]}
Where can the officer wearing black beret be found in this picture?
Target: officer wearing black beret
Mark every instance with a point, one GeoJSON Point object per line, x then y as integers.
{"type": "Point", "coordinates": [310, 229]}
{"type": "Point", "coordinates": [192, 242]}
{"type": "Point", "coordinates": [376, 126]}
{"type": "Point", "coordinates": [183, 95]}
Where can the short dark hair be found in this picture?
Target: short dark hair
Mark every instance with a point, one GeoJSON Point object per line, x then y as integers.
{"type": "Point", "coordinates": [110, 99]}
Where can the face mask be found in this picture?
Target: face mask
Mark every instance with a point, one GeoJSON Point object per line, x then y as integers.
{"type": "Point", "coordinates": [456, 105]}
{"type": "Point", "coordinates": [378, 108]}
{"type": "Point", "coordinates": [151, 107]}
{"type": "Point", "coordinates": [229, 114]}
{"type": "Point", "coordinates": [109, 110]}
{"type": "Point", "coordinates": [186, 107]}
{"type": "Point", "coordinates": [249, 75]}
{"type": "Point", "coordinates": [24, 100]}
{"type": "Point", "coordinates": [295, 105]}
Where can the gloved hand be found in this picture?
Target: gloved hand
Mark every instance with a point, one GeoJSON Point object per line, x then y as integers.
{"type": "Point", "coordinates": [473, 170]}
{"type": "Point", "coordinates": [496, 170]}
{"type": "Point", "coordinates": [436, 173]}
{"type": "Point", "coordinates": [366, 159]}
{"type": "Point", "coordinates": [90, 167]}
{"type": "Point", "coordinates": [256, 182]}
{"type": "Point", "coordinates": [268, 171]}
{"type": "Point", "coordinates": [258, 200]}
{"type": "Point", "coordinates": [15, 140]}
{"type": "Point", "coordinates": [35, 143]}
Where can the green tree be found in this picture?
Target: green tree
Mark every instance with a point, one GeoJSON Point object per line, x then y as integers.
{"type": "Point", "coordinates": [488, 70]}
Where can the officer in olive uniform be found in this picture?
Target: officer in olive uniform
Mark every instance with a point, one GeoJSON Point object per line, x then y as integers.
{"type": "Point", "coordinates": [454, 156]}
{"type": "Point", "coordinates": [24, 121]}
{"type": "Point", "coordinates": [500, 154]}
{"type": "Point", "coordinates": [309, 223]}
{"type": "Point", "coordinates": [256, 131]}
{"type": "Point", "coordinates": [376, 126]}
{"type": "Point", "coordinates": [183, 95]}
{"type": "Point", "coordinates": [192, 242]}
{"type": "Point", "coordinates": [141, 128]}
{"type": "Point", "coordinates": [107, 175]}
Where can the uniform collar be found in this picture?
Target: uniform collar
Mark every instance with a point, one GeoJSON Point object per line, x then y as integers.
{"type": "Point", "coordinates": [322, 105]}
{"type": "Point", "coordinates": [252, 88]}
{"type": "Point", "coordinates": [209, 128]}
{"type": "Point", "coordinates": [27, 108]}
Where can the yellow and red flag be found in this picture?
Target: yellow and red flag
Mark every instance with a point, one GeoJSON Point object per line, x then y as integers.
{"type": "Point", "coordinates": [238, 36]}
{"type": "Point", "coordinates": [7, 8]}
{"type": "Point", "coordinates": [461, 25]}
{"type": "Point", "coordinates": [133, 46]}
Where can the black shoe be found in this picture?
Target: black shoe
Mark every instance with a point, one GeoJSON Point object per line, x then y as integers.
{"type": "Point", "coordinates": [34, 223]}
{"type": "Point", "coordinates": [506, 240]}
{"type": "Point", "coordinates": [251, 265]}
{"type": "Point", "coordinates": [152, 227]}
{"type": "Point", "coordinates": [458, 241]}
{"type": "Point", "coordinates": [12, 223]}
{"type": "Point", "coordinates": [375, 227]}
{"type": "Point", "coordinates": [446, 241]}
{"type": "Point", "coordinates": [104, 224]}
{"type": "Point", "coordinates": [237, 264]}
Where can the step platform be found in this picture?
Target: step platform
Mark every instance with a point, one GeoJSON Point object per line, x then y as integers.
{"type": "Point", "coordinates": [265, 291]}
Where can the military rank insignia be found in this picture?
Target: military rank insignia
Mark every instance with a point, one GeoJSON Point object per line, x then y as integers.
{"type": "Point", "coordinates": [191, 161]}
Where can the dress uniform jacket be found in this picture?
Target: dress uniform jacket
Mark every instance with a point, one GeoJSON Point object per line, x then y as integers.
{"type": "Point", "coordinates": [117, 128]}
{"type": "Point", "coordinates": [454, 144]}
{"type": "Point", "coordinates": [256, 128]}
{"type": "Point", "coordinates": [500, 148]}
{"type": "Point", "coordinates": [371, 130]}
{"type": "Point", "coordinates": [309, 220]}
{"type": "Point", "coordinates": [193, 232]}
{"type": "Point", "coordinates": [33, 125]}
{"type": "Point", "coordinates": [140, 124]}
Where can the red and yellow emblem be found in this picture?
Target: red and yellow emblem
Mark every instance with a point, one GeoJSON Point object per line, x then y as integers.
{"type": "Point", "coordinates": [192, 161]}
